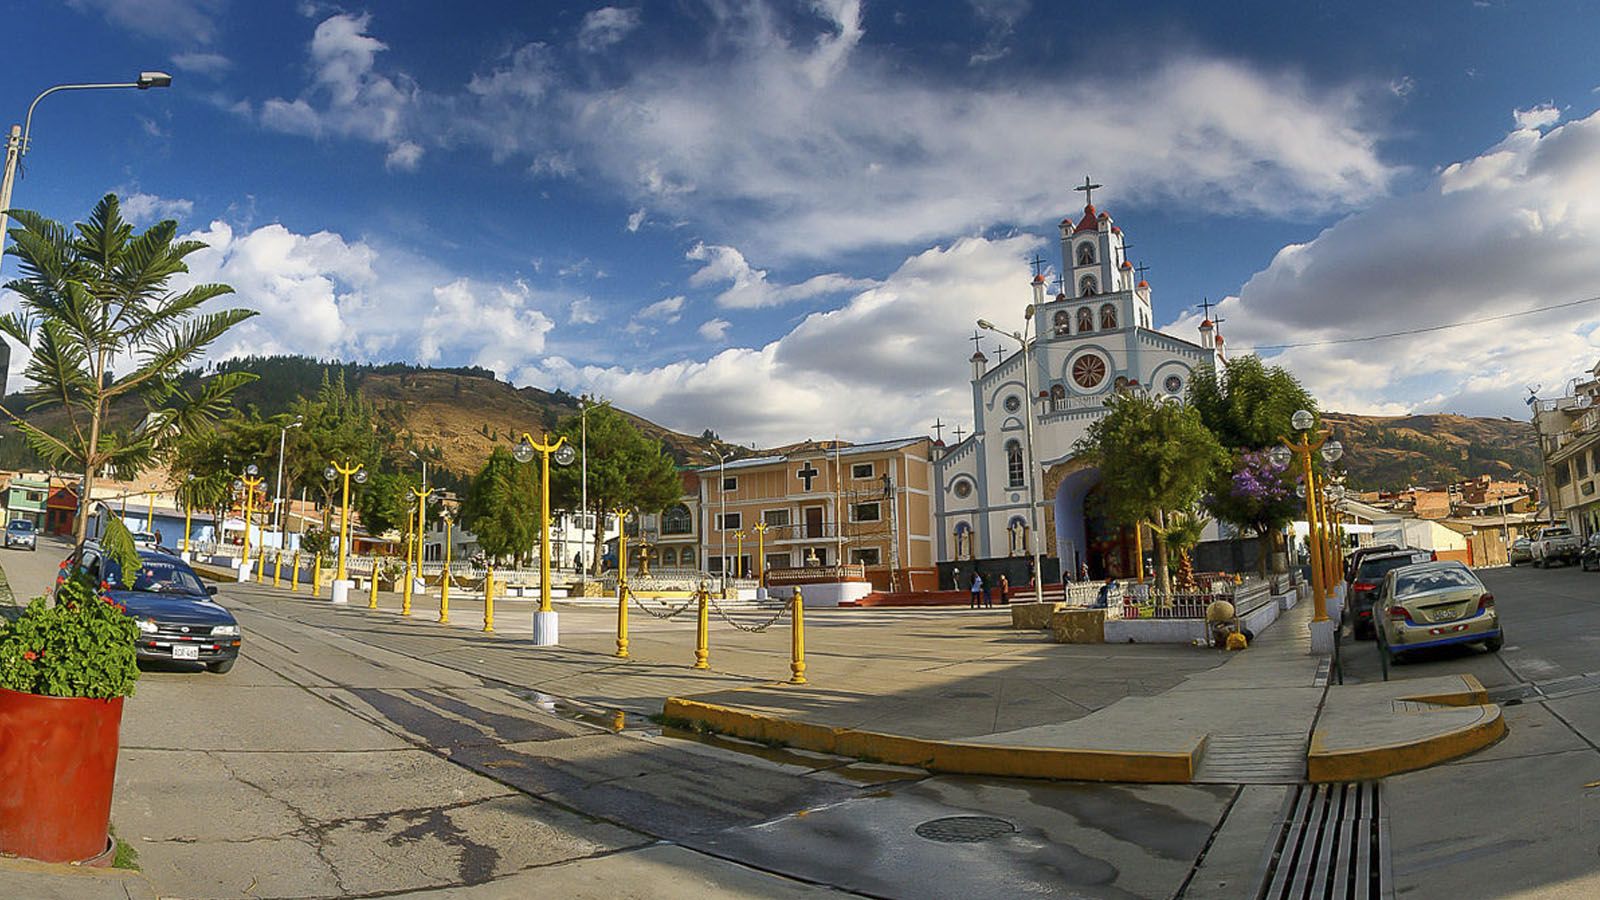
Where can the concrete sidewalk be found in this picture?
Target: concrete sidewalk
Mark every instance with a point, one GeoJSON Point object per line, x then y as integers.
{"type": "Point", "coordinates": [954, 690]}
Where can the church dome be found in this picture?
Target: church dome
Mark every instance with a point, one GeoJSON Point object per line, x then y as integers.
{"type": "Point", "coordinates": [1143, 283]}
{"type": "Point", "coordinates": [1038, 279]}
{"type": "Point", "coordinates": [1116, 229]}
{"type": "Point", "coordinates": [1126, 264]}
{"type": "Point", "coordinates": [1206, 323]}
{"type": "Point", "coordinates": [1087, 223]}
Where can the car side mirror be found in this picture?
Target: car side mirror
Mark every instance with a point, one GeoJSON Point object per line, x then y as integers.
{"type": "Point", "coordinates": [211, 590]}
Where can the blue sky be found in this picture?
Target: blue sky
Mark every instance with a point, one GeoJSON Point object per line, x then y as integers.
{"type": "Point", "coordinates": [779, 219]}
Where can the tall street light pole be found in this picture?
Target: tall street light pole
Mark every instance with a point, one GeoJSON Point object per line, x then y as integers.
{"type": "Point", "coordinates": [17, 140]}
{"type": "Point", "coordinates": [277, 487]}
{"type": "Point", "coordinates": [583, 519]}
{"type": "Point", "coordinates": [722, 514]}
{"type": "Point", "coordinates": [1021, 337]}
{"type": "Point", "coordinates": [341, 587]}
{"type": "Point", "coordinates": [247, 482]}
{"type": "Point", "coordinates": [546, 631]}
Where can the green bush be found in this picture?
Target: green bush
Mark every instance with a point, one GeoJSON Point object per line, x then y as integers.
{"type": "Point", "coordinates": [81, 647]}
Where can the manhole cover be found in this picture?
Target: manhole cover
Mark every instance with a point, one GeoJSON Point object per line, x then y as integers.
{"type": "Point", "coordinates": [964, 829]}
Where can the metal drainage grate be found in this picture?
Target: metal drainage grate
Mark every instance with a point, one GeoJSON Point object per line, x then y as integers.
{"type": "Point", "coordinates": [964, 829]}
{"type": "Point", "coordinates": [1333, 845]}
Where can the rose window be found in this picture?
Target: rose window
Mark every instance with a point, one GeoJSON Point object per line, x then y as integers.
{"type": "Point", "coordinates": [1088, 371]}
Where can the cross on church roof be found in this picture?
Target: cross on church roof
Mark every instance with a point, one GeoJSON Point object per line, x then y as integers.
{"type": "Point", "coordinates": [1037, 262]}
{"type": "Point", "coordinates": [1141, 268]}
{"type": "Point", "coordinates": [958, 434]}
{"type": "Point", "coordinates": [976, 337]}
{"type": "Point", "coordinates": [1088, 187]}
{"type": "Point", "coordinates": [938, 429]}
{"type": "Point", "coordinates": [1060, 284]}
{"type": "Point", "coordinates": [1206, 305]}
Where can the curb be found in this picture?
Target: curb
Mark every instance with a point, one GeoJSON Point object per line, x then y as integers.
{"type": "Point", "coordinates": [1382, 760]}
{"type": "Point", "coordinates": [952, 757]}
{"type": "Point", "coordinates": [132, 882]}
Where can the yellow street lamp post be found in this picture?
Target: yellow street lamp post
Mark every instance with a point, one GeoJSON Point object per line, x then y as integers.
{"type": "Point", "coordinates": [341, 585]}
{"type": "Point", "coordinates": [1302, 421]}
{"type": "Point", "coordinates": [444, 578]}
{"type": "Point", "coordinates": [738, 553]}
{"type": "Point", "coordinates": [546, 628]}
{"type": "Point", "coordinates": [760, 528]}
{"type": "Point", "coordinates": [622, 583]}
{"type": "Point", "coordinates": [150, 513]}
{"type": "Point", "coordinates": [247, 481]}
{"type": "Point", "coordinates": [188, 511]}
{"type": "Point", "coordinates": [422, 518]}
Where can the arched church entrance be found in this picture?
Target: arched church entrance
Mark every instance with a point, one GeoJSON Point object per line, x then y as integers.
{"type": "Point", "coordinates": [1085, 537]}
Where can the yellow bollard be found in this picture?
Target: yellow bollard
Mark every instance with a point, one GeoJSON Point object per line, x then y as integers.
{"type": "Point", "coordinates": [294, 573]}
{"type": "Point", "coordinates": [316, 576]}
{"type": "Point", "coordinates": [372, 587]}
{"type": "Point", "coordinates": [622, 620]}
{"type": "Point", "coordinates": [261, 563]}
{"type": "Point", "coordinates": [488, 600]}
{"type": "Point", "coordinates": [798, 666]}
{"type": "Point", "coordinates": [277, 568]}
{"type": "Point", "coordinates": [444, 597]}
{"type": "Point", "coordinates": [702, 632]}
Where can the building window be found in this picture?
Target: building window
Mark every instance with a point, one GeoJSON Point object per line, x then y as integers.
{"type": "Point", "coordinates": [1085, 320]}
{"type": "Point", "coordinates": [775, 518]}
{"type": "Point", "coordinates": [866, 556]}
{"type": "Point", "coordinates": [1173, 384]}
{"type": "Point", "coordinates": [1583, 465]}
{"type": "Point", "coordinates": [962, 489]}
{"type": "Point", "coordinates": [1087, 287]}
{"type": "Point", "coordinates": [1013, 403]}
{"type": "Point", "coordinates": [677, 520]}
{"type": "Point", "coordinates": [1108, 316]}
{"type": "Point", "coordinates": [686, 556]}
{"type": "Point", "coordinates": [1013, 464]}
{"type": "Point", "coordinates": [1564, 475]}
{"type": "Point", "coordinates": [730, 522]}
{"type": "Point", "coordinates": [1088, 371]}
{"type": "Point", "coordinates": [861, 470]}
{"type": "Point", "coordinates": [1063, 321]}
{"type": "Point", "coordinates": [777, 561]}
{"type": "Point", "coordinates": [1058, 393]}
{"type": "Point", "coordinates": [865, 512]}
{"type": "Point", "coordinates": [669, 557]}
{"type": "Point", "coordinates": [730, 483]}
{"type": "Point", "coordinates": [1086, 254]}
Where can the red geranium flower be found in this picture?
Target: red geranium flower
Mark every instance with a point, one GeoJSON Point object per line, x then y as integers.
{"type": "Point", "coordinates": [29, 655]}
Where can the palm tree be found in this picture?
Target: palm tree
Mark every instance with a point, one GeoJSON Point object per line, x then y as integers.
{"type": "Point", "coordinates": [103, 328]}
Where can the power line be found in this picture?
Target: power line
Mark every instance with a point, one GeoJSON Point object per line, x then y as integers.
{"type": "Point", "coordinates": [1431, 328]}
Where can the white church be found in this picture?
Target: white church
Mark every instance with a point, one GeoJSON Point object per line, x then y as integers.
{"type": "Point", "coordinates": [1095, 336]}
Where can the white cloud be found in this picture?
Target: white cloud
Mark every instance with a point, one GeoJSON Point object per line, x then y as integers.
{"type": "Point", "coordinates": [668, 311]}
{"type": "Point", "coordinates": [1508, 230]}
{"type": "Point", "coordinates": [582, 312]}
{"type": "Point", "coordinates": [142, 209]}
{"type": "Point", "coordinates": [750, 287]}
{"type": "Point", "coordinates": [494, 326]}
{"type": "Point", "coordinates": [1001, 16]}
{"type": "Point", "coordinates": [174, 20]}
{"type": "Point", "coordinates": [715, 329]}
{"type": "Point", "coordinates": [1536, 117]}
{"type": "Point", "coordinates": [887, 362]}
{"type": "Point", "coordinates": [635, 219]}
{"type": "Point", "coordinates": [347, 98]}
{"type": "Point", "coordinates": [606, 26]}
{"type": "Point", "coordinates": [210, 64]}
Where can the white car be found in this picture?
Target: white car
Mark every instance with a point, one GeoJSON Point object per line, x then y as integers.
{"type": "Point", "coordinates": [22, 534]}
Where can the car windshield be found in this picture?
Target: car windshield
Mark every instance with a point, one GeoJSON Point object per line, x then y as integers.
{"type": "Point", "coordinates": [1375, 569]}
{"type": "Point", "coordinates": [1557, 532]}
{"type": "Point", "coordinates": [1407, 584]}
{"type": "Point", "coordinates": [21, 525]}
{"type": "Point", "coordinates": [158, 576]}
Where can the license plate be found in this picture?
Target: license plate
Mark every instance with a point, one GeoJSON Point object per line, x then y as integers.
{"type": "Point", "coordinates": [185, 651]}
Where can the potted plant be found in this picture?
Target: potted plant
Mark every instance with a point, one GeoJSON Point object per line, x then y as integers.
{"type": "Point", "coordinates": [64, 670]}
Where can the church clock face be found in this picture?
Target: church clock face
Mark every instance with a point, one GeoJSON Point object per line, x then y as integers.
{"type": "Point", "coordinates": [1089, 371]}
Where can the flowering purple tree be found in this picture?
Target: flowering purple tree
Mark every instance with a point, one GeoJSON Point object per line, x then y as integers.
{"type": "Point", "coordinates": [1257, 496]}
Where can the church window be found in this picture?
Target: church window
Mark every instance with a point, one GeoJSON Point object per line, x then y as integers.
{"type": "Point", "coordinates": [963, 489]}
{"type": "Point", "coordinates": [1088, 371]}
{"type": "Point", "coordinates": [1058, 393]}
{"type": "Point", "coordinates": [1085, 320]}
{"type": "Point", "coordinates": [669, 557]}
{"type": "Point", "coordinates": [1173, 384]}
{"type": "Point", "coordinates": [1108, 316]}
{"type": "Point", "coordinates": [1088, 286]}
{"type": "Point", "coordinates": [677, 520]}
{"type": "Point", "coordinates": [1063, 322]}
{"type": "Point", "coordinates": [1121, 384]}
{"type": "Point", "coordinates": [1013, 403]}
{"type": "Point", "coordinates": [1086, 254]}
{"type": "Point", "coordinates": [866, 556]}
{"type": "Point", "coordinates": [1014, 466]}
{"type": "Point", "coordinates": [866, 512]}
{"type": "Point", "coordinates": [686, 556]}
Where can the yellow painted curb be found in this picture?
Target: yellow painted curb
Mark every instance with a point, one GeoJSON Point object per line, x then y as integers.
{"type": "Point", "coordinates": [1367, 763]}
{"type": "Point", "coordinates": [954, 757]}
{"type": "Point", "coordinates": [1473, 694]}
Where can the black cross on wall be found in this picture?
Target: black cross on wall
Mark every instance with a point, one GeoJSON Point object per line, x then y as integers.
{"type": "Point", "coordinates": [808, 472]}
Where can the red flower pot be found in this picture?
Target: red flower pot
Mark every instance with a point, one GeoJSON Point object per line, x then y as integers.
{"type": "Point", "coordinates": [58, 761]}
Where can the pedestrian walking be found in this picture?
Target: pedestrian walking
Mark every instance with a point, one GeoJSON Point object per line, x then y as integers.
{"type": "Point", "coordinates": [977, 590]}
{"type": "Point", "coordinates": [1005, 591]}
{"type": "Point", "coordinates": [988, 594]}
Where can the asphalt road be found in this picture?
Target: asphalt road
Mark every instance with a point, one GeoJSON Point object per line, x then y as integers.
{"type": "Point", "coordinates": [1521, 818]}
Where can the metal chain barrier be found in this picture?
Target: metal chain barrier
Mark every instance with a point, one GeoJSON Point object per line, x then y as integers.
{"type": "Point", "coordinates": [650, 612]}
{"type": "Point", "coordinates": [752, 629]}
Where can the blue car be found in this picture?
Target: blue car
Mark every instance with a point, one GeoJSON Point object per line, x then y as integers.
{"type": "Point", "coordinates": [178, 620]}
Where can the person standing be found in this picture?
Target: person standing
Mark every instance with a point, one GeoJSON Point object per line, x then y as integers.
{"type": "Point", "coordinates": [1005, 591]}
{"type": "Point", "coordinates": [988, 594]}
{"type": "Point", "coordinates": [977, 590]}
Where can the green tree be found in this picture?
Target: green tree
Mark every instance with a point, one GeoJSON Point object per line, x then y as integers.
{"type": "Point", "coordinates": [1155, 457]}
{"type": "Point", "coordinates": [502, 507]}
{"type": "Point", "coordinates": [627, 470]}
{"type": "Point", "coordinates": [1248, 405]}
{"type": "Point", "coordinates": [386, 502]}
{"type": "Point", "coordinates": [93, 298]}
{"type": "Point", "coordinates": [337, 424]}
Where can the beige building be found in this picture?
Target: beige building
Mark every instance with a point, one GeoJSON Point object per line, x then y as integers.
{"type": "Point", "coordinates": [1569, 439]}
{"type": "Point", "coordinates": [822, 504]}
